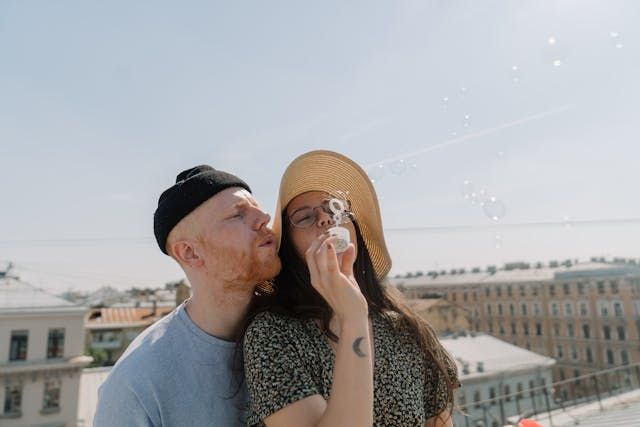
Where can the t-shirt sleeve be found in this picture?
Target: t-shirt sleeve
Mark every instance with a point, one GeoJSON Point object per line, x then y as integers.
{"type": "Point", "coordinates": [118, 405]}
{"type": "Point", "coordinates": [275, 369]}
{"type": "Point", "coordinates": [435, 389]}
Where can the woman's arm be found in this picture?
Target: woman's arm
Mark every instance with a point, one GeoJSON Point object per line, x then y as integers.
{"type": "Point", "coordinates": [443, 419]}
{"type": "Point", "coordinates": [351, 400]}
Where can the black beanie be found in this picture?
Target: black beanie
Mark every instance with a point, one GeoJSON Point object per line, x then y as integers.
{"type": "Point", "coordinates": [193, 187]}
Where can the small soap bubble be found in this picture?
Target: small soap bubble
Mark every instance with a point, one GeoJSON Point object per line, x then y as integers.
{"type": "Point", "coordinates": [445, 102]}
{"type": "Point", "coordinates": [555, 52]}
{"type": "Point", "coordinates": [497, 241]}
{"type": "Point", "coordinates": [398, 167]}
{"type": "Point", "coordinates": [466, 189]}
{"type": "Point", "coordinates": [464, 91]}
{"type": "Point", "coordinates": [376, 173]}
{"type": "Point", "coordinates": [515, 74]}
{"type": "Point", "coordinates": [494, 208]}
{"type": "Point", "coordinates": [616, 40]}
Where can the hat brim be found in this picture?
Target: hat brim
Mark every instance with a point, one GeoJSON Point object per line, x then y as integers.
{"type": "Point", "coordinates": [335, 174]}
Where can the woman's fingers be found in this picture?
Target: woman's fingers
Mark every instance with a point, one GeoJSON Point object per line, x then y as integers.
{"type": "Point", "coordinates": [310, 256]}
{"type": "Point", "coordinates": [347, 261]}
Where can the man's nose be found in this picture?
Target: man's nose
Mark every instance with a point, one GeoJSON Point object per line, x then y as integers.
{"type": "Point", "coordinates": [262, 219]}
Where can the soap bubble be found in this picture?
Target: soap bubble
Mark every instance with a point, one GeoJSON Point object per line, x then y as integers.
{"type": "Point", "coordinates": [398, 167]}
{"type": "Point", "coordinates": [376, 173]}
{"type": "Point", "coordinates": [497, 241]}
{"type": "Point", "coordinates": [494, 208]}
{"type": "Point", "coordinates": [555, 52]}
{"type": "Point", "coordinates": [466, 188]}
{"type": "Point", "coordinates": [515, 74]}
{"type": "Point", "coordinates": [616, 40]}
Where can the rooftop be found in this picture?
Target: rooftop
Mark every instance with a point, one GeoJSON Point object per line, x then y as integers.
{"type": "Point", "coordinates": [20, 296]}
{"type": "Point", "coordinates": [486, 355]}
{"type": "Point", "coordinates": [523, 274]}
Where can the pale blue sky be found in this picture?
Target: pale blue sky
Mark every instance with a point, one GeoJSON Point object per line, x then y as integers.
{"type": "Point", "coordinates": [102, 104]}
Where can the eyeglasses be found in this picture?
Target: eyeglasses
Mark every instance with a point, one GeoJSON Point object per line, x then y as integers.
{"type": "Point", "coordinates": [306, 217]}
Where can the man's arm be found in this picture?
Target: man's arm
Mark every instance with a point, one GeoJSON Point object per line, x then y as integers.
{"type": "Point", "coordinates": [118, 405]}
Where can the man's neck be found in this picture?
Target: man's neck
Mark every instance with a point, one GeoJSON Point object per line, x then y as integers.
{"type": "Point", "coordinates": [218, 314]}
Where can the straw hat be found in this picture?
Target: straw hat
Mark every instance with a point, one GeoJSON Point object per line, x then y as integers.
{"type": "Point", "coordinates": [334, 173]}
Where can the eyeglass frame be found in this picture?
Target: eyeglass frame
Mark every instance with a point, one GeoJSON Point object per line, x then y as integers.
{"type": "Point", "coordinates": [346, 217]}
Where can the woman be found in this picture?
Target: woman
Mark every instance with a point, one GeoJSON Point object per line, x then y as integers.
{"type": "Point", "coordinates": [329, 343]}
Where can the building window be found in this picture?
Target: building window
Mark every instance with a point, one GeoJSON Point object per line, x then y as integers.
{"type": "Point", "coordinates": [565, 287]}
{"type": "Point", "coordinates": [617, 309]}
{"type": "Point", "coordinates": [492, 394]}
{"type": "Point", "coordinates": [501, 328]}
{"type": "Point", "coordinates": [12, 399]}
{"type": "Point", "coordinates": [574, 353]}
{"type": "Point", "coordinates": [584, 311]}
{"type": "Point", "coordinates": [18, 348]}
{"type": "Point", "coordinates": [559, 353]}
{"type": "Point", "coordinates": [55, 344]}
{"type": "Point", "coordinates": [580, 288]}
{"type": "Point", "coordinates": [519, 390]}
{"type": "Point", "coordinates": [552, 290]}
{"type": "Point", "coordinates": [462, 400]}
{"type": "Point", "coordinates": [524, 309]}
{"type": "Point", "coordinates": [607, 332]}
{"type": "Point", "coordinates": [507, 393]}
{"type": "Point", "coordinates": [499, 309]}
{"type": "Point", "coordinates": [624, 356]}
{"type": "Point", "coordinates": [525, 328]}
{"type": "Point", "coordinates": [489, 309]}
{"type": "Point", "coordinates": [601, 288]}
{"type": "Point", "coordinates": [570, 329]}
{"type": "Point", "coordinates": [534, 291]}
{"type": "Point", "coordinates": [589, 355]}
{"type": "Point", "coordinates": [51, 399]}
{"type": "Point", "coordinates": [513, 328]}
{"type": "Point", "coordinates": [554, 309]}
{"type": "Point", "coordinates": [614, 287]}
{"type": "Point", "coordinates": [610, 359]}
{"type": "Point", "coordinates": [465, 296]}
{"type": "Point", "coordinates": [568, 310]}
{"type": "Point", "coordinates": [476, 399]}
{"type": "Point", "coordinates": [453, 296]}
{"type": "Point", "coordinates": [586, 332]}
{"type": "Point", "coordinates": [621, 333]}
{"type": "Point", "coordinates": [487, 292]}
{"type": "Point", "coordinates": [499, 291]}
{"type": "Point", "coordinates": [538, 329]}
{"type": "Point", "coordinates": [536, 309]}
{"type": "Point", "coordinates": [604, 308]}
{"type": "Point", "coordinates": [556, 329]}
{"type": "Point", "coordinates": [522, 291]}
{"type": "Point", "coordinates": [475, 296]}
{"type": "Point", "coordinates": [512, 311]}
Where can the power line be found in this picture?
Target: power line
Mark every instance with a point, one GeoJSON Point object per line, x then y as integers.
{"type": "Point", "coordinates": [98, 241]}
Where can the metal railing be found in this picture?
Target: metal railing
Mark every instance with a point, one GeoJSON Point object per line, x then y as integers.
{"type": "Point", "coordinates": [547, 399]}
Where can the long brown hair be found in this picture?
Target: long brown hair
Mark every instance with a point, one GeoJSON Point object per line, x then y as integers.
{"type": "Point", "coordinates": [295, 296]}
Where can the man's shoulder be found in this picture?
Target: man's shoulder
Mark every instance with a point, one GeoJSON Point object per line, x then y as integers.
{"type": "Point", "coordinates": [150, 351]}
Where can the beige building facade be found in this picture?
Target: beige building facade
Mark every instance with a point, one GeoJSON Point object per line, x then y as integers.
{"type": "Point", "coordinates": [584, 315]}
{"type": "Point", "coordinates": [41, 356]}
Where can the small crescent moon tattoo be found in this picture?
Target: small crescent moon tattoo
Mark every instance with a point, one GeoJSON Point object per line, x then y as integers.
{"type": "Point", "coordinates": [356, 347]}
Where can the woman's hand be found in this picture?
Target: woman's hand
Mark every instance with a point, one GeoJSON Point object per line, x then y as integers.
{"type": "Point", "coordinates": [333, 278]}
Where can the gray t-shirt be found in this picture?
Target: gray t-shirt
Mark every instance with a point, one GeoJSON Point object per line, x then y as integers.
{"type": "Point", "coordinates": [173, 374]}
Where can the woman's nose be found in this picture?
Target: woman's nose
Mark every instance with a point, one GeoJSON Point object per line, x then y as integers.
{"type": "Point", "coordinates": [324, 218]}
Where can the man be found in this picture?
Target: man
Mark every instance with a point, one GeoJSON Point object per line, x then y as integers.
{"type": "Point", "coordinates": [181, 370]}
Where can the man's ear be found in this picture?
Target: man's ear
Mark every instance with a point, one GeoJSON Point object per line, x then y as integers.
{"type": "Point", "coordinates": [186, 254]}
